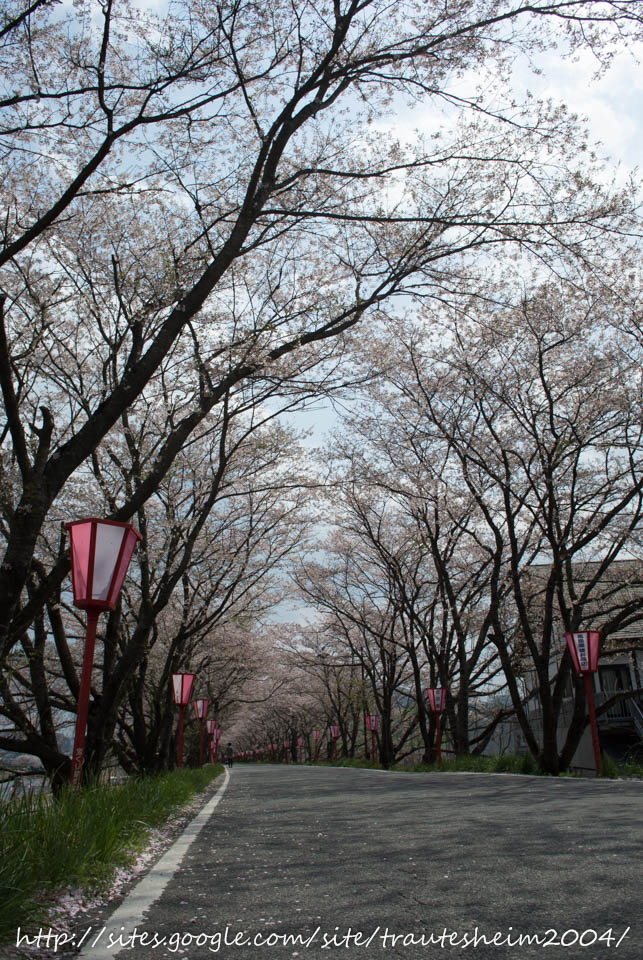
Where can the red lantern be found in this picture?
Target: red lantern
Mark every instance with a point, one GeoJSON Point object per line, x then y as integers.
{"type": "Point", "coordinates": [437, 699]}
{"type": "Point", "coordinates": [101, 551]}
{"type": "Point", "coordinates": [182, 688]}
{"type": "Point", "coordinates": [200, 710]}
{"type": "Point", "coordinates": [584, 647]}
{"type": "Point", "coordinates": [437, 703]}
{"type": "Point", "coordinates": [372, 721]}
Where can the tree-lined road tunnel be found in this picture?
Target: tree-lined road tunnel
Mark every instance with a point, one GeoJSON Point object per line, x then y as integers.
{"type": "Point", "coordinates": [314, 862]}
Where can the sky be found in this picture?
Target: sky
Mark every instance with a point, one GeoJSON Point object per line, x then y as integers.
{"type": "Point", "coordinates": [613, 104]}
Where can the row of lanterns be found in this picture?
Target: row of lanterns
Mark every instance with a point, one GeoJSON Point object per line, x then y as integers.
{"type": "Point", "coordinates": [583, 646]}
{"type": "Point", "coordinates": [101, 551]}
{"type": "Point", "coordinates": [182, 690]}
{"type": "Point", "coordinates": [437, 704]}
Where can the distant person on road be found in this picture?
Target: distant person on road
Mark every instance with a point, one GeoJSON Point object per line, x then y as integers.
{"type": "Point", "coordinates": [228, 755]}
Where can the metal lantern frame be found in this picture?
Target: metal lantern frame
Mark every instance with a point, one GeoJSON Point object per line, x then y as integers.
{"type": "Point", "coordinates": [101, 551]}
{"type": "Point", "coordinates": [200, 710]}
{"type": "Point", "coordinates": [437, 697]}
{"type": "Point", "coordinates": [584, 647]}
{"type": "Point", "coordinates": [372, 720]}
{"type": "Point", "coordinates": [182, 684]}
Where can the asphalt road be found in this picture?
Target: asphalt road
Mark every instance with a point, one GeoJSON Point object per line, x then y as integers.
{"type": "Point", "coordinates": [317, 863]}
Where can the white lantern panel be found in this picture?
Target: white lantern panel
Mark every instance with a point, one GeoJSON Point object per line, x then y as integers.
{"type": "Point", "coordinates": [109, 538]}
{"type": "Point", "coordinates": [582, 650]}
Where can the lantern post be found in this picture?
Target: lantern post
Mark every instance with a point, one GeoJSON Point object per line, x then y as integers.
{"type": "Point", "coordinates": [101, 551]}
{"type": "Point", "coordinates": [437, 697]}
{"type": "Point", "coordinates": [372, 721]}
{"type": "Point", "coordinates": [584, 647]}
{"type": "Point", "coordinates": [200, 710]}
{"type": "Point", "coordinates": [182, 688]}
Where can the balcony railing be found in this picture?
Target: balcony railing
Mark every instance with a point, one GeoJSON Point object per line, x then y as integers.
{"type": "Point", "coordinates": [623, 713]}
{"type": "Point", "coordinates": [637, 716]}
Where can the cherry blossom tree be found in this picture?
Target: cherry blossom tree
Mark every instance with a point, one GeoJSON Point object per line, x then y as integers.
{"type": "Point", "coordinates": [533, 414]}
{"type": "Point", "coordinates": [176, 148]}
{"type": "Point", "coordinates": [199, 204]}
{"type": "Point", "coordinates": [214, 535]}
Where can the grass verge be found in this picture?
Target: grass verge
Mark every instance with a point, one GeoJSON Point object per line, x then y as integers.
{"type": "Point", "coordinates": [505, 763]}
{"type": "Point", "coordinates": [80, 839]}
{"type": "Point", "coordinates": [626, 770]}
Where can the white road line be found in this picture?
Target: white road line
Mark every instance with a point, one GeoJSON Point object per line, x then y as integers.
{"type": "Point", "coordinates": [149, 889]}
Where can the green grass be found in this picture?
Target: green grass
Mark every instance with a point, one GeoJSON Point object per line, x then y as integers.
{"type": "Point", "coordinates": [357, 762]}
{"type": "Point", "coordinates": [80, 839]}
{"type": "Point", "coordinates": [617, 770]}
{"type": "Point", "coordinates": [505, 763]}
